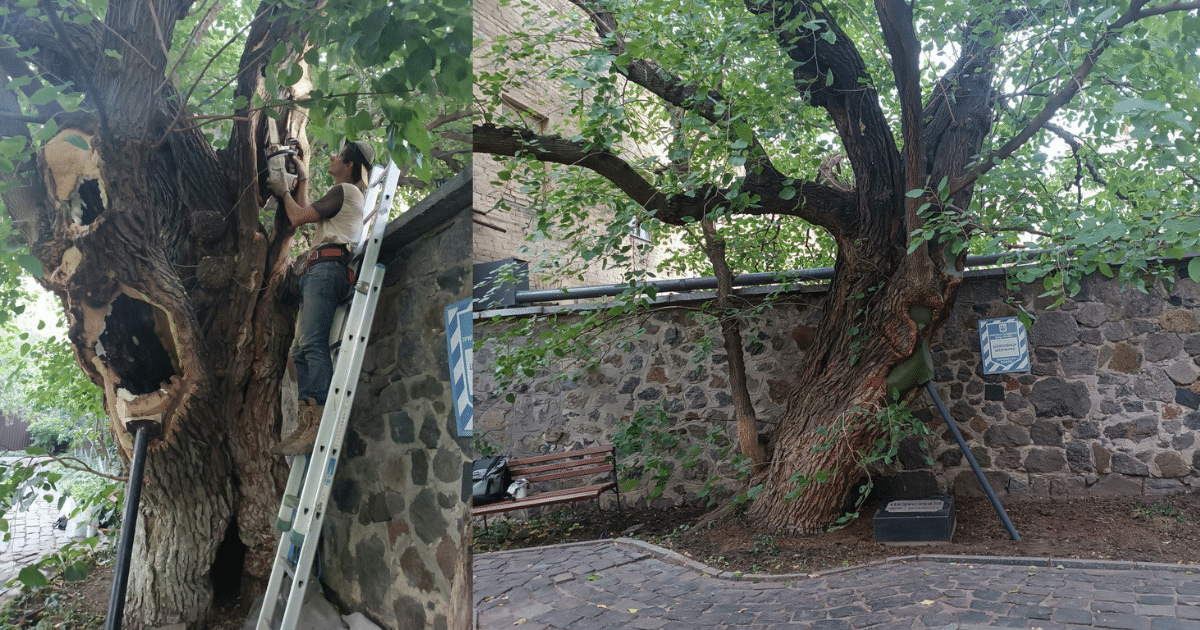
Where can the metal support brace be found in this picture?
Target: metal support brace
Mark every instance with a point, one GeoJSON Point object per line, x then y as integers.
{"type": "Point", "coordinates": [143, 430]}
{"type": "Point", "coordinates": [962, 445]}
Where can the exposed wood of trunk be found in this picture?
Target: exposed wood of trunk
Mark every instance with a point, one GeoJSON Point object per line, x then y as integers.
{"type": "Point", "coordinates": [731, 333]}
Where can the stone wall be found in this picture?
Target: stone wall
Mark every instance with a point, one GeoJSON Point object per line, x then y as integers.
{"type": "Point", "coordinates": [1109, 407]}
{"type": "Point", "coordinates": [397, 533]}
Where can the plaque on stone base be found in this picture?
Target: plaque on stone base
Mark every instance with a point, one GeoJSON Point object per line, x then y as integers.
{"type": "Point", "coordinates": [915, 522]}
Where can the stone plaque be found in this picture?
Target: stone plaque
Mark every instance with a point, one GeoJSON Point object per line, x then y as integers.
{"type": "Point", "coordinates": [927, 505]}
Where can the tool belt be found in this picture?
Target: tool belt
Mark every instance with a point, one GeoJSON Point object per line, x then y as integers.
{"type": "Point", "coordinates": [326, 253]}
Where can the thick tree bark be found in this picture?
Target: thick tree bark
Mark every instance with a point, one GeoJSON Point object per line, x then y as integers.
{"type": "Point", "coordinates": [179, 301]}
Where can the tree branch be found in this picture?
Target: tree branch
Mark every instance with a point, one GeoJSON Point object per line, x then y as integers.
{"type": "Point", "coordinates": [651, 76]}
{"type": "Point", "coordinates": [896, 18]}
{"type": "Point", "coordinates": [817, 203]}
{"type": "Point", "coordinates": [1067, 93]}
{"type": "Point", "coordinates": [831, 72]}
{"type": "Point", "coordinates": [69, 462]}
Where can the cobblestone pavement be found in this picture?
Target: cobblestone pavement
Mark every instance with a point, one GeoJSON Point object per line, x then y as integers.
{"type": "Point", "coordinates": [631, 584]}
{"type": "Point", "coordinates": [33, 536]}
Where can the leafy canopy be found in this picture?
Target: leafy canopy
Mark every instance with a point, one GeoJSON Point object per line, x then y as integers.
{"type": "Point", "coordinates": [1109, 178]}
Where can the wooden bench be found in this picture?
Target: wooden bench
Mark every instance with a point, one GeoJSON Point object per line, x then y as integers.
{"type": "Point", "coordinates": [582, 464]}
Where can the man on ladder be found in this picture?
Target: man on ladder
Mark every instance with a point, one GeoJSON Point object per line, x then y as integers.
{"type": "Point", "coordinates": [327, 277]}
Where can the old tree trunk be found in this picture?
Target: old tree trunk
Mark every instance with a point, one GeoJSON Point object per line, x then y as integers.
{"type": "Point", "coordinates": [175, 294]}
{"type": "Point", "coordinates": [890, 292]}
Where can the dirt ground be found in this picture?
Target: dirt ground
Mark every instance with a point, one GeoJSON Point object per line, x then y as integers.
{"type": "Point", "coordinates": [1165, 529]}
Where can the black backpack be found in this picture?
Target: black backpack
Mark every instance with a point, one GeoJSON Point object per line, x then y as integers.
{"type": "Point", "coordinates": [490, 479]}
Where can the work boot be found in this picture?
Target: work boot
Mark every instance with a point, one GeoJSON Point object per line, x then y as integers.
{"type": "Point", "coordinates": [308, 423]}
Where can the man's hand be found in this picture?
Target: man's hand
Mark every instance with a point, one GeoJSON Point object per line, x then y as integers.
{"type": "Point", "coordinates": [301, 171]}
{"type": "Point", "coordinates": [278, 183]}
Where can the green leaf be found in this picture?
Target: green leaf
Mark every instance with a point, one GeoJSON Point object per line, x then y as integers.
{"type": "Point", "coordinates": [35, 450]}
{"type": "Point", "coordinates": [1135, 104]}
{"type": "Point", "coordinates": [32, 577]}
{"type": "Point", "coordinates": [78, 141]}
{"type": "Point", "coordinates": [914, 193]}
{"type": "Point", "coordinates": [44, 95]}
{"type": "Point", "coordinates": [76, 571]}
{"type": "Point", "coordinates": [30, 263]}
{"type": "Point", "coordinates": [787, 193]}
{"type": "Point", "coordinates": [112, 53]}
{"type": "Point", "coordinates": [1193, 269]}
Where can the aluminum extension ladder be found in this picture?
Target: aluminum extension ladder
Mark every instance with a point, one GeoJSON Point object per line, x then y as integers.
{"type": "Point", "coordinates": [302, 511]}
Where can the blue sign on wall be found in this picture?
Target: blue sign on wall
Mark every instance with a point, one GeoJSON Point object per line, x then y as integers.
{"type": "Point", "coordinates": [1004, 344]}
{"type": "Point", "coordinates": [459, 344]}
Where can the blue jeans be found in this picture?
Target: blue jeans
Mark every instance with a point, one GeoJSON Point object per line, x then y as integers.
{"type": "Point", "coordinates": [321, 289]}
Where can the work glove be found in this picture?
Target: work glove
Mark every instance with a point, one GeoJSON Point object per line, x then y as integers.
{"type": "Point", "coordinates": [301, 171]}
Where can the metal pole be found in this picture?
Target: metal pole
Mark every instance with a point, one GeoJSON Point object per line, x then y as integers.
{"type": "Point", "coordinates": [116, 601]}
{"type": "Point", "coordinates": [962, 445]}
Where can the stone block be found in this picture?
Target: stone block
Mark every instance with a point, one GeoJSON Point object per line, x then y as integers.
{"type": "Point", "coordinates": [1092, 314]}
{"type": "Point", "coordinates": [1154, 384]}
{"type": "Point", "coordinates": [1136, 430]}
{"type": "Point", "coordinates": [1171, 465]}
{"type": "Point", "coordinates": [965, 483]}
{"type": "Point", "coordinates": [1162, 345]}
{"type": "Point", "coordinates": [1141, 305]}
{"type": "Point", "coordinates": [1102, 457]}
{"type": "Point", "coordinates": [1001, 436]}
{"type": "Point", "coordinates": [1182, 372]}
{"type": "Point", "coordinates": [1046, 433]}
{"type": "Point", "coordinates": [1057, 397]}
{"type": "Point", "coordinates": [1125, 358]}
{"type": "Point", "coordinates": [1187, 398]}
{"type": "Point", "coordinates": [1068, 487]}
{"type": "Point", "coordinates": [1044, 460]}
{"type": "Point", "coordinates": [1078, 360]}
{"type": "Point", "coordinates": [1079, 457]}
{"type": "Point", "coordinates": [1086, 430]}
{"type": "Point", "coordinates": [1124, 464]}
{"type": "Point", "coordinates": [1115, 485]}
{"type": "Point", "coordinates": [1164, 486]}
{"type": "Point", "coordinates": [1178, 320]}
{"type": "Point", "coordinates": [1115, 331]}
{"type": "Point", "coordinates": [1054, 328]}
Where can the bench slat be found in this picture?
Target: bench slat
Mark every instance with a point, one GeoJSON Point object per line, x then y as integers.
{"type": "Point", "coordinates": [524, 471]}
{"type": "Point", "coordinates": [595, 470]}
{"type": "Point", "coordinates": [544, 498]}
{"type": "Point", "coordinates": [553, 456]}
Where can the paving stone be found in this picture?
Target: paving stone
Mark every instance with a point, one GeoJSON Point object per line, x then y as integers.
{"type": "Point", "coordinates": [962, 595]}
{"type": "Point", "coordinates": [1120, 620]}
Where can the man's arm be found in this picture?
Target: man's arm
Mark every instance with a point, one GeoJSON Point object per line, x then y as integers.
{"type": "Point", "coordinates": [298, 210]}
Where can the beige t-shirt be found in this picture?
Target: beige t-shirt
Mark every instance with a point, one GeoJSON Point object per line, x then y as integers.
{"type": "Point", "coordinates": [341, 221]}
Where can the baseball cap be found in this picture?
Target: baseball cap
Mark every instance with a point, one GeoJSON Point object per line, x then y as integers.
{"type": "Point", "coordinates": [368, 154]}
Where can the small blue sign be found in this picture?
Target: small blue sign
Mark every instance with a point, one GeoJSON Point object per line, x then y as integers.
{"type": "Point", "coordinates": [459, 345]}
{"type": "Point", "coordinates": [1004, 344]}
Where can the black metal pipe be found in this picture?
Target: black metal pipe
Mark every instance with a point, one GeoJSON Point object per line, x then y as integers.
{"type": "Point", "coordinates": [742, 280]}
{"type": "Point", "coordinates": [133, 495]}
{"type": "Point", "coordinates": [962, 445]}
